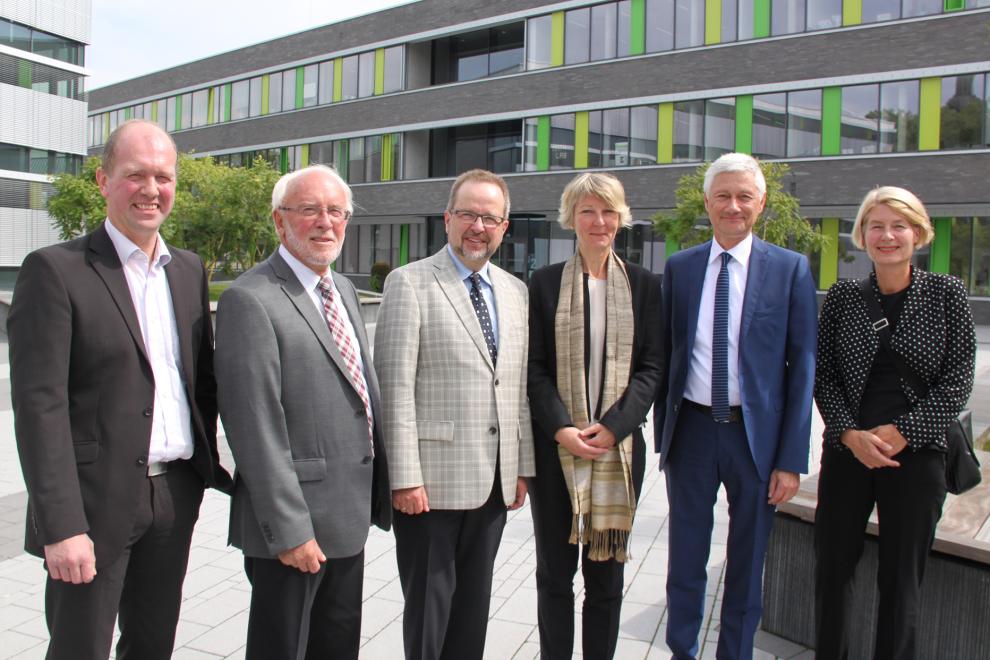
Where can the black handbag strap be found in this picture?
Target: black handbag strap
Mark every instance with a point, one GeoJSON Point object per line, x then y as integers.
{"type": "Point", "coordinates": [882, 327]}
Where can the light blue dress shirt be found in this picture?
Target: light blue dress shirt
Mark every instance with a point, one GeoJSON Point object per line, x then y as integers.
{"type": "Point", "coordinates": [487, 291]}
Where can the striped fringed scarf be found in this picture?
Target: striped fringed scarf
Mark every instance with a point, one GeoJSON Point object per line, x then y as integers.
{"type": "Point", "coordinates": [601, 491]}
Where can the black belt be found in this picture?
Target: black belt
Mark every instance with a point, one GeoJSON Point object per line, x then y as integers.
{"type": "Point", "coordinates": [735, 412]}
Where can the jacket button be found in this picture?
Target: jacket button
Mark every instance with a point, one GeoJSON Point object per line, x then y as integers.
{"type": "Point", "coordinates": [148, 412]}
{"type": "Point", "coordinates": [496, 382]}
{"type": "Point", "coordinates": [492, 430]}
{"type": "Point", "coordinates": [141, 461]}
{"type": "Point", "coordinates": [366, 460]}
{"type": "Point", "coordinates": [359, 413]}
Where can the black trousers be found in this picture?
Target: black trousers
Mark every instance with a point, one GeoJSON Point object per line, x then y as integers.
{"type": "Point", "coordinates": [556, 564]}
{"type": "Point", "coordinates": [909, 503]}
{"type": "Point", "coordinates": [446, 559]}
{"type": "Point", "coordinates": [143, 587]}
{"type": "Point", "coordinates": [297, 616]}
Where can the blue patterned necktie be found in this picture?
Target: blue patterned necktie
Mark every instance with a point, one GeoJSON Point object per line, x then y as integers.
{"type": "Point", "coordinates": [720, 344]}
{"type": "Point", "coordinates": [481, 309]}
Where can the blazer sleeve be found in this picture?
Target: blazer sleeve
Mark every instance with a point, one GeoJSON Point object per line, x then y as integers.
{"type": "Point", "coordinates": [631, 409]}
{"type": "Point", "coordinates": [206, 385]}
{"type": "Point", "coordinates": [249, 376]}
{"type": "Point", "coordinates": [39, 330]}
{"type": "Point", "coordinates": [526, 457]}
{"type": "Point", "coordinates": [829, 386]}
{"type": "Point", "coordinates": [542, 380]}
{"type": "Point", "coordinates": [664, 329]}
{"type": "Point", "coordinates": [396, 357]}
{"type": "Point", "coordinates": [928, 420]}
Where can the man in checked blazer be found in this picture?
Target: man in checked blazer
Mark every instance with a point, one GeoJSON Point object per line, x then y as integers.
{"type": "Point", "coordinates": [300, 404]}
{"type": "Point", "coordinates": [451, 351]}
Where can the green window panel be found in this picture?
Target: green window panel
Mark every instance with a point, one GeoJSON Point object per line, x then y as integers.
{"type": "Point", "coordinates": [954, 5]}
{"type": "Point", "coordinates": [670, 246]}
{"type": "Point", "coordinates": [338, 81]}
{"type": "Point", "coordinates": [713, 22]}
{"type": "Point", "coordinates": [940, 246]}
{"type": "Point", "coordinates": [154, 111]}
{"type": "Point", "coordinates": [24, 75]}
{"type": "Point", "coordinates": [387, 167]}
{"type": "Point", "coordinates": [227, 100]}
{"type": "Point", "coordinates": [128, 114]}
{"type": "Point", "coordinates": [637, 27]}
{"type": "Point", "coordinates": [404, 245]}
{"type": "Point", "coordinates": [264, 93]}
{"type": "Point", "coordinates": [665, 133]}
{"type": "Point", "coordinates": [557, 38]}
{"type": "Point", "coordinates": [300, 86]}
{"type": "Point", "coordinates": [929, 114]}
{"type": "Point", "coordinates": [380, 72]}
{"type": "Point", "coordinates": [211, 99]}
{"type": "Point", "coordinates": [543, 143]}
{"type": "Point", "coordinates": [304, 156]}
{"type": "Point", "coordinates": [761, 18]}
{"type": "Point", "coordinates": [178, 112]}
{"type": "Point", "coordinates": [828, 269]}
{"type": "Point", "coordinates": [106, 126]}
{"type": "Point", "coordinates": [283, 159]}
{"type": "Point", "coordinates": [852, 12]}
{"type": "Point", "coordinates": [831, 121]}
{"type": "Point", "coordinates": [343, 158]}
{"type": "Point", "coordinates": [580, 140]}
{"type": "Point", "coordinates": [744, 124]}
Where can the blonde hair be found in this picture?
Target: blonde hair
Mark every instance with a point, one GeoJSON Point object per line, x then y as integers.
{"type": "Point", "coordinates": [902, 202]}
{"type": "Point", "coordinates": [597, 184]}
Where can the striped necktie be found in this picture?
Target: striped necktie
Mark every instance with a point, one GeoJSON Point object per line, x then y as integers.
{"type": "Point", "coordinates": [720, 344]}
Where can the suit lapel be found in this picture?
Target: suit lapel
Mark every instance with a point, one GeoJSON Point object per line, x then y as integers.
{"type": "Point", "coordinates": [103, 258]}
{"type": "Point", "coordinates": [696, 277]}
{"type": "Point", "coordinates": [179, 283]}
{"type": "Point", "coordinates": [755, 278]}
{"type": "Point", "coordinates": [453, 288]}
{"type": "Point", "coordinates": [501, 283]}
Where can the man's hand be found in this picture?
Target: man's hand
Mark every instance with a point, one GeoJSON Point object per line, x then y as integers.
{"type": "Point", "coordinates": [871, 450]}
{"type": "Point", "coordinates": [570, 438]}
{"type": "Point", "coordinates": [306, 557]}
{"type": "Point", "coordinates": [783, 486]}
{"type": "Point", "coordinates": [520, 494]}
{"type": "Point", "coordinates": [411, 501]}
{"type": "Point", "coordinates": [892, 436]}
{"type": "Point", "coordinates": [72, 559]}
{"type": "Point", "coordinates": [598, 435]}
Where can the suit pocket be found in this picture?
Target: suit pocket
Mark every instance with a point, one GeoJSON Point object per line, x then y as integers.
{"type": "Point", "coordinates": [86, 452]}
{"type": "Point", "coordinates": [428, 430]}
{"type": "Point", "coordinates": [310, 469]}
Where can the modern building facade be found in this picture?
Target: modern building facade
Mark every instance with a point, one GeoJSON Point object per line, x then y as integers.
{"type": "Point", "coordinates": [42, 114]}
{"type": "Point", "coordinates": [850, 93]}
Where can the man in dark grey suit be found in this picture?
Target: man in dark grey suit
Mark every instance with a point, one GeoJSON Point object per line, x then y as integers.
{"type": "Point", "coordinates": [300, 403]}
{"type": "Point", "coordinates": [111, 373]}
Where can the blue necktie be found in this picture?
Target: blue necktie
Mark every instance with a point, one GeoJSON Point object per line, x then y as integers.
{"type": "Point", "coordinates": [720, 344]}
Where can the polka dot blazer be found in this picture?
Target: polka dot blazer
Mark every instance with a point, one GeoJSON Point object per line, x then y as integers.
{"type": "Point", "coordinates": [934, 335]}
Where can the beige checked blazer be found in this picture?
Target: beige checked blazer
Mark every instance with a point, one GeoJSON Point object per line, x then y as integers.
{"type": "Point", "coordinates": [447, 413]}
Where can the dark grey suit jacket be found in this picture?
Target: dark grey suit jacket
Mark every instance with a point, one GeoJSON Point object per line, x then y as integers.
{"type": "Point", "coordinates": [294, 422]}
{"type": "Point", "coordinates": [83, 389]}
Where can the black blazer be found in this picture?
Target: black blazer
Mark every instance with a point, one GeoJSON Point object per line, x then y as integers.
{"type": "Point", "coordinates": [83, 390]}
{"type": "Point", "coordinates": [934, 335]}
{"type": "Point", "coordinates": [627, 414]}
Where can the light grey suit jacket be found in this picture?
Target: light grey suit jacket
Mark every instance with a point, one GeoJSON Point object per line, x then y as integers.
{"type": "Point", "coordinates": [295, 424]}
{"type": "Point", "coordinates": [447, 411]}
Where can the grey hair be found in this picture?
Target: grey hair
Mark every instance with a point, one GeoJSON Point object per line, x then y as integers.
{"type": "Point", "coordinates": [282, 185]}
{"type": "Point", "coordinates": [736, 162]}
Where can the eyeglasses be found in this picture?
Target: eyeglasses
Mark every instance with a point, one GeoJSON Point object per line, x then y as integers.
{"type": "Point", "coordinates": [311, 212]}
{"type": "Point", "coordinates": [470, 217]}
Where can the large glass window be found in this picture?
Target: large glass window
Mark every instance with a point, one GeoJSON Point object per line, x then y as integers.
{"type": "Point", "coordinates": [323, 153]}
{"type": "Point", "coordinates": [689, 23]}
{"type": "Point", "coordinates": [310, 85]}
{"type": "Point", "coordinates": [860, 119]}
{"type": "Point", "coordinates": [355, 164]}
{"type": "Point", "coordinates": [393, 69]}
{"type": "Point", "coordinates": [595, 138]}
{"type": "Point", "coordinates": [643, 135]}
{"type": "Point", "coordinates": [366, 74]}
{"type": "Point", "coordinates": [899, 116]}
{"type": "Point", "coordinates": [469, 55]}
{"type": "Point", "coordinates": [349, 78]}
{"type": "Point", "coordinates": [804, 123]}
{"type": "Point", "coordinates": [538, 42]}
{"type": "Point", "coordinates": [200, 108]}
{"type": "Point", "coordinates": [689, 129]}
{"type": "Point", "coordinates": [659, 25]}
{"type": "Point", "coordinates": [254, 100]}
{"type": "Point", "coordinates": [729, 21]}
{"type": "Point", "coordinates": [577, 35]}
{"type": "Point", "coordinates": [170, 112]}
{"type": "Point", "coordinates": [275, 93]}
{"type": "Point", "coordinates": [373, 158]}
{"type": "Point", "coordinates": [921, 8]}
{"type": "Point", "coordinates": [603, 32]}
{"type": "Point", "coordinates": [530, 143]}
{"type": "Point", "coordinates": [562, 142]}
{"type": "Point", "coordinates": [881, 10]}
{"type": "Point", "coordinates": [786, 16]}
{"type": "Point", "coordinates": [478, 54]}
{"type": "Point", "coordinates": [962, 112]}
{"type": "Point", "coordinates": [495, 146]}
{"type": "Point", "coordinates": [325, 92]}
{"type": "Point", "coordinates": [506, 54]}
{"type": "Point", "coordinates": [615, 137]}
{"type": "Point", "coordinates": [746, 16]}
{"type": "Point", "coordinates": [187, 107]}
{"type": "Point", "coordinates": [15, 36]}
{"type": "Point", "coordinates": [720, 127]}
{"type": "Point", "coordinates": [770, 125]}
{"type": "Point", "coordinates": [288, 90]}
{"type": "Point", "coordinates": [625, 23]}
{"type": "Point", "coordinates": [970, 254]}
{"type": "Point", "coordinates": [824, 14]}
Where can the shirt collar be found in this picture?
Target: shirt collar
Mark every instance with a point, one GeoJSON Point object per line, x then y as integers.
{"type": "Point", "coordinates": [126, 248]}
{"type": "Point", "coordinates": [464, 272]}
{"type": "Point", "coordinates": [740, 252]}
{"type": "Point", "coordinates": [306, 277]}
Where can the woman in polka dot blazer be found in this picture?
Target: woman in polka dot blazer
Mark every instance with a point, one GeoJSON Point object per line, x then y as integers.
{"type": "Point", "coordinates": [884, 444]}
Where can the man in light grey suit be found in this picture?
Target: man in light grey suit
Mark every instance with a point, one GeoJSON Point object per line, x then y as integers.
{"type": "Point", "coordinates": [451, 351]}
{"type": "Point", "coordinates": [300, 404]}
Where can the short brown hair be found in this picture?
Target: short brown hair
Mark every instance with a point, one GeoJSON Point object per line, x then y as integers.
{"type": "Point", "coordinates": [110, 148]}
{"type": "Point", "coordinates": [901, 201]}
{"type": "Point", "coordinates": [479, 176]}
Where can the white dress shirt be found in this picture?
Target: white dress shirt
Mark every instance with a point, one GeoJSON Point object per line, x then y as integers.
{"type": "Point", "coordinates": [698, 387]}
{"type": "Point", "coordinates": [171, 423]}
{"type": "Point", "coordinates": [309, 281]}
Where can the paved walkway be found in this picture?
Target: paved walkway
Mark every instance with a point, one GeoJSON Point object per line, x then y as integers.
{"type": "Point", "coordinates": [214, 612]}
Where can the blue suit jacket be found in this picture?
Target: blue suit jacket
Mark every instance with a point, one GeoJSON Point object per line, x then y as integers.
{"type": "Point", "coordinates": [776, 352]}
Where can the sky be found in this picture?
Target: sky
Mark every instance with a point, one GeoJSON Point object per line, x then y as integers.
{"type": "Point", "coordinates": [132, 39]}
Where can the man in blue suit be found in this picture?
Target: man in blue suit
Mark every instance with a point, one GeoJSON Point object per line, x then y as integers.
{"type": "Point", "coordinates": [735, 408]}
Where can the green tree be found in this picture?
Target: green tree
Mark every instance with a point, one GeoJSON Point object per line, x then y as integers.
{"type": "Point", "coordinates": [77, 206]}
{"type": "Point", "coordinates": [780, 223]}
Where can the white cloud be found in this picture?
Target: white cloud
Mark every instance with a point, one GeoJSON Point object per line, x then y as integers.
{"type": "Point", "coordinates": [132, 39]}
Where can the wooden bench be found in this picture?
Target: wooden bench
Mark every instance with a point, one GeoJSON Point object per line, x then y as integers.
{"type": "Point", "coordinates": [955, 599]}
